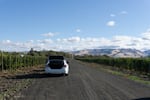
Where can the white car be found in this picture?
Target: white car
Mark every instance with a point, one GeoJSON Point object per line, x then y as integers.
{"type": "Point", "coordinates": [57, 65]}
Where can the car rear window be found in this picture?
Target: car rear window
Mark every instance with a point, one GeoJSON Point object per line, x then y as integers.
{"type": "Point", "coordinates": [56, 57]}
{"type": "Point", "coordinates": [56, 64]}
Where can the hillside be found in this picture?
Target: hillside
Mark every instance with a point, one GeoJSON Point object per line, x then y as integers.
{"type": "Point", "coordinates": [113, 52]}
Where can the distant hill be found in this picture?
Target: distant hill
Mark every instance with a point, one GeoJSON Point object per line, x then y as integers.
{"type": "Point", "coordinates": [113, 52]}
{"type": "Point", "coordinates": [147, 52]}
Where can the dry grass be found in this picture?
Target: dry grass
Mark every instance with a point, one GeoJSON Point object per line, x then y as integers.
{"type": "Point", "coordinates": [128, 75]}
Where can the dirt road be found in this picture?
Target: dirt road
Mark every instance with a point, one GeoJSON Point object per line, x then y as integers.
{"type": "Point", "coordinates": [83, 83]}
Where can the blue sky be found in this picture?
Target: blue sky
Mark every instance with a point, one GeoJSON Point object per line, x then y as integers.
{"type": "Point", "coordinates": [74, 24]}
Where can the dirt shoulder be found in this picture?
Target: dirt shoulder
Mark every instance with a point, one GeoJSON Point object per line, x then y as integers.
{"type": "Point", "coordinates": [10, 85]}
{"type": "Point", "coordinates": [140, 78]}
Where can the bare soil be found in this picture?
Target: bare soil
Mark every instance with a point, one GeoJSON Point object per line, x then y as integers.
{"type": "Point", "coordinates": [10, 85]}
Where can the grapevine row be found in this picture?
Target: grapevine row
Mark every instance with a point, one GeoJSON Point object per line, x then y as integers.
{"type": "Point", "coordinates": [141, 65]}
{"type": "Point", "coordinates": [15, 61]}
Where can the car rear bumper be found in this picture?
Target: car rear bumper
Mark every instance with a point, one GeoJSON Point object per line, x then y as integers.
{"type": "Point", "coordinates": [63, 70]}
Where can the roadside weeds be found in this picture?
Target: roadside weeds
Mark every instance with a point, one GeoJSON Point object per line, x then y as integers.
{"type": "Point", "coordinates": [119, 73]}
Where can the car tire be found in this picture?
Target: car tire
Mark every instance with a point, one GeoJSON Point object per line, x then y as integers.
{"type": "Point", "coordinates": [65, 74]}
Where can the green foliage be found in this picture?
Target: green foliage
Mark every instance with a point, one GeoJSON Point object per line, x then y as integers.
{"type": "Point", "coordinates": [14, 61]}
{"type": "Point", "coordinates": [47, 53]}
{"type": "Point", "coordinates": [141, 65]}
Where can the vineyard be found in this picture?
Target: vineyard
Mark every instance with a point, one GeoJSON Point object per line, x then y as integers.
{"type": "Point", "coordinates": [140, 65]}
{"type": "Point", "coordinates": [14, 60]}
{"type": "Point", "coordinates": [9, 61]}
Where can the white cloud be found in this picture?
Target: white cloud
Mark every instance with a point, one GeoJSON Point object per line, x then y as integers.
{"type": "Point", "coordinates": [48, 35]}
{"type": "Point", "coordinates": [123, 12]}
{"type": "Point", "coordinates": [79, 43]}
{"type": "Point", "coordinates": [69, 40]}
{"type": "Point", "coordinates": [131, 42]}
{"type": "Point", "coordinates": [122, 41]}
{"type": "Point", "coordinates": [120, 13]}
{"type": "Point", "coordinates": [6, 41]}
{"type": "Point", "coordinates": [112, 15]}
{"type": "Point", "coordinates": [111, 23]}
{"type": "Point", "coordinates": [30, 41]}
{"type": "Point", "coordinates": [74, 39]}
{"type": "Point", "coordinates": [78, 30]}
{"type": "Point", "coordinates": [146, 35]}
{"type": "Point", "coordinates": [122, 38]}
{"type": "Point", "coordinates": [8, 45]}
{"type": "Point", "coordinates": [45, 41]}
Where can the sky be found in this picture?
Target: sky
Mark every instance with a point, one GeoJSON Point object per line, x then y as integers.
{"type": "Point", "coordinates": [68, 25]}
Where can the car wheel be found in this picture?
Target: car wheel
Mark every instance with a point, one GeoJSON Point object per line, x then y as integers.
{"type": "Point", "coordinates": [65, 74]}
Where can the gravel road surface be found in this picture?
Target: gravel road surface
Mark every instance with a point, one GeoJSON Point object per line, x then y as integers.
{"type": "Point", "coordinates": [83, 83]}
